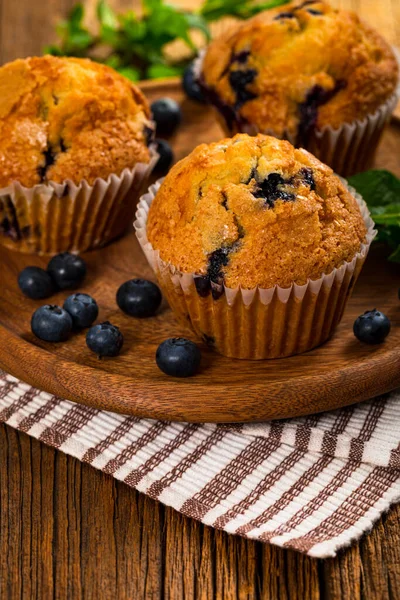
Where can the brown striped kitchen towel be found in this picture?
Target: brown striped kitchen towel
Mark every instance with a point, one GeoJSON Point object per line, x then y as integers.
{"type": "Point", "coordinates": [313, 484]}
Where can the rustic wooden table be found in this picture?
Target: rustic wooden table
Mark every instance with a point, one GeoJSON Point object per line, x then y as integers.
{"type": "Point", "coordinates": [68, 531]}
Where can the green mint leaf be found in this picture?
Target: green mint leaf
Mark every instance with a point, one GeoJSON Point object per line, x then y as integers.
{"type": "Point", "coordinates": [53, 50]}
{"type": "Point", "coordinates": [381, 191]}
{"type": "Point", "coordinates": [160, 71]}
{"type": "Point", "coordinates": [196, 21]}
{"type": "Point", "coordinates": [80, 40]}
{"type": "Point", "coordinates": [377, 187]}
{"type": "Point", "coordinates": [130, 73]}
{"type": "Point", "coordinates": [395, 256]}
{"type": "Point", "coordinates": [75, 17]}
{"type": "Point", "coordinates": [106, 15]}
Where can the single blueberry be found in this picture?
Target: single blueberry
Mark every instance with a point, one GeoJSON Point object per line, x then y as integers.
{"type": "Point", "coordinates": [82, 308]}
{"type": "Point", "coordinates": [105, 339]}
{"type": "Point", "coordinates": [67, 270]}
{"type": "Point", "coordinates": [36, 283]}
{"type": "Point", "coordinates": [139, 298]}
{"type": "Point", "coordinates": [372, 327]}
{"type": "Point", "coordinates": [51, 323]}
{"type": "Point", "coordinates": [166, 157]}
{"type": "Point", "coordinates": [178, 357]}
{"type": "Point", "coordinates": [191, 85]}
{"type": "Point", "coordinates": [167, 115]}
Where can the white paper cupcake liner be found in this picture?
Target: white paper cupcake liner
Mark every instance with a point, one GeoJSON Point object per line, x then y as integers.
{"type": "Point", "coordinates": [348, 149]}
{"type": "Point", "coordinates": [257, 323]}
{"type": "Point", "coordinates": [59, 217]}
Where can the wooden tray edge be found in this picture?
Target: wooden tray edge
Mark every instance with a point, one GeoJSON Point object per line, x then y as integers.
{"type": "Point", "coordinates": [75, 382]}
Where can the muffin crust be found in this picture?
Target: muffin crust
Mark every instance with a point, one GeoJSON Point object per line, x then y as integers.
{"type": "Point", "coordinates": [68, 118]}
{"type": "Point", "coordinates": [298, 68]}
{"type": "Point", "coordinates": [254, 211]}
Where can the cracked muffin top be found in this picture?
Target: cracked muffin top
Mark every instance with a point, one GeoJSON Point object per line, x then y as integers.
{"type": "Point", "coordinates": [299, 67]}
{"type": "Point", "coordinates": [254, 211]}
{"type": "Point", "coordinates": [69, 118]}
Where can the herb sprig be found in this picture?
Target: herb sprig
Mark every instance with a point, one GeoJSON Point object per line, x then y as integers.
{"type": "Point", "coordinates": [381, 191]}
{"type": "Point", "coordinates": [135, 45]}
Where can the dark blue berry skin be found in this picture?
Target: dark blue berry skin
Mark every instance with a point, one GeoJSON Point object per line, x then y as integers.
{"type": "Point", "coordinates": [67, 270]}
{"type": "Point", "coordinates": [191, 85]}
{"type": "Point", "coordinates": [105, 339]}
{"type": "Point", "coordinates": [178, 357]}
{"type": "Point", "coordinates": [51, 323]}
{"type": "Point", "coordinates": [82, 308]}
{"type": "Point", "coordinates": [166, 157]}
{"type": "Point", "coordinates": [36, 283]}
{"type": "Point", "coordinates": [372, 327]}
{"type": "Point", "coordinates": [167, 115]}
{"type": "Point", "coordinates": [139, 298]}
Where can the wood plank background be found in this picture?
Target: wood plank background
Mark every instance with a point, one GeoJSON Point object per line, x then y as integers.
{"type": "Point", "coordinates": [26, 26]}
{"type": "Point", "coordinates": [69, 532]}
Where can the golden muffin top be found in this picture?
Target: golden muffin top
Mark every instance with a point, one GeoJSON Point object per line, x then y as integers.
{"type": "Point", "coordinates": [68, 118]}
{"type": "Point", "coordinates": [254, 211]}
{"type": "Point", "coordinates": [299, 67]}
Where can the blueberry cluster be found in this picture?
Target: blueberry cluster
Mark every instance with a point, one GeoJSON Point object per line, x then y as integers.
{"type": "Point", "coordinates": [137, 298]}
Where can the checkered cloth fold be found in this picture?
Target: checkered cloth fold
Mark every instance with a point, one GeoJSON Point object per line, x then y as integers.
{"type": "Point", "coordinates": [313, 484]}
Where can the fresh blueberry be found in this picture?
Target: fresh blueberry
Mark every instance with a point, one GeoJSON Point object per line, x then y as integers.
{"type": "Point", "coordinates": [178, 357]}
{"type": "Point", "coordinates": [67, 270]}
{"type": "Point", "coordinates": [36, 283]}
{"type": "Point", "coordinates": [191, 85]}
{"type": "Point", "coordinates": [139, 298]}
{"type": "Point", "coordinates": [51, 323]}
{"type": "Point", "coordinates": [372, 327]}
{"type": "Point", "coordinates": [105, 339]}
{"type": "Point", "coordinates": [166, 157]}
{"type": "Point", "coordinates": [167, 115]}
{"type": "Point", "coordinates": [82, 308]}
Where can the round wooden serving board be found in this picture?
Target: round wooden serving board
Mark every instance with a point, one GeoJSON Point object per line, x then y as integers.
{"type": "Point", "coordinates": [340, 372]}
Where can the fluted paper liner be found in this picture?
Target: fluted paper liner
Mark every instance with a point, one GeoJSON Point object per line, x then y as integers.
{"type": "Point", "coordinates": [59, 217]}
{"type": "Point", "coordinates": [349, 149]}
{"type": "Point", "coordinates": [257, 323]}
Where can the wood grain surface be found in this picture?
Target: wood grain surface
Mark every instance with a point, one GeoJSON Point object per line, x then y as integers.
{"type": "Point", "coordinates": [69, 532]}
{"type": "Point", "coordinates": [340, 372]}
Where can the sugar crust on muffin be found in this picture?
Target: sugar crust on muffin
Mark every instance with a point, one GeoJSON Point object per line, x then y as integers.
{"type": "Point", "coordinates": [254, 211]}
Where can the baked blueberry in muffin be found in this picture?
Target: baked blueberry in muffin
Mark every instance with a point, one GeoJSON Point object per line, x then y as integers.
{"type": "Point", "coordinates": [69, 118]}
{"type": "Point", "coordinates": [253, 211]}
{"type": "Point", "coordinates": [293, 71]}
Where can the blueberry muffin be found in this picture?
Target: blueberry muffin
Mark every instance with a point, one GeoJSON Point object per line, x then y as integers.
{"type": "Point", "coordinates": [253, 218]}
{"type": "Point", "coordinates": [299, 69]}
{"type": "Point", "coordinates": [67, 119]}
